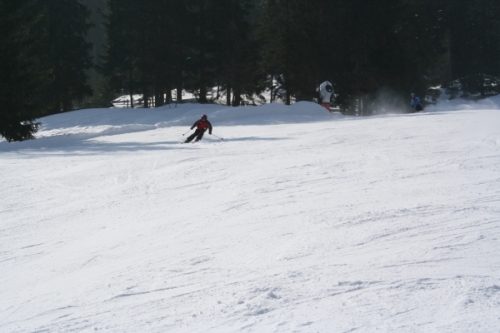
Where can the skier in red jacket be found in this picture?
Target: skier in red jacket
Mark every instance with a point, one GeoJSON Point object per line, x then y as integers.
{"type": "Point", "coordinates": [201, 127]}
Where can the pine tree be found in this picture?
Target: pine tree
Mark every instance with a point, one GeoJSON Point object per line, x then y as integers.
{"type": "Point", "coordinates": [67, 52]}
{"type": "Point", "coordinates": [236, 51]}
{"type": "Point", "coordinates": [20, 74]}
{"type": "Point", "coordinates": [97, 38]}
{"type": "Point", "coordinates": [397, 54]}
{"type": "Point", "coordinates": [349, 43]}
{"type": "Point", "coordinates": [201, 65]}
{"type": "Point", "coordinates": [180, 32]}
{"type": "Point", "coordinates": [121, 53]}
{"type": "Point", "coordinates": [481, 48]}
{"type": "Point", "coordinates": [148, 48]}
{"type": "Point", "coordinates": [275, 35]}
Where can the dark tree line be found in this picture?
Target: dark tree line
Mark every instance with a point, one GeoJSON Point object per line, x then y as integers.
{"type": "Point", "coordinates": [364, 47]}
{"type": "Point", "coordinates": [473, 46]}
{"type": "Point", "coordinates": [20, 93]}
{"type": "Point", "coordinates": [170, 44]}
{"type": "Point", "coordinates": [242, 47]}
{"type": "Point", "coordinates": [43, 60]}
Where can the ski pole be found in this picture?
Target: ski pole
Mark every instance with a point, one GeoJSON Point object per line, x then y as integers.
{"type": "Point", "coordinates": [187, 132]}
{"type": "Point", "coordinates": [217, 136]}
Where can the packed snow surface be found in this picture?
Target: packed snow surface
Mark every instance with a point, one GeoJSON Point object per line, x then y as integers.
{"type": "Point", "coordinates": [297, 221]}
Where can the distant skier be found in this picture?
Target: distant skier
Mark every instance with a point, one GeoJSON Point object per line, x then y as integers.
{"type": "Point", "coordinates": [201, 127]}
{"type": "Point", "coordinates": [326, 91]}
{"type": "Point", "coordinates": [415, 102]}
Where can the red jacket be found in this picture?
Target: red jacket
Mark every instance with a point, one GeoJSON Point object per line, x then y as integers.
{"type": "Point", "coordinates": [203, 125]}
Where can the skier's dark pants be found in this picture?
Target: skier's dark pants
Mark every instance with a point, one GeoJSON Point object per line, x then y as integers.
{"type": "Point", "coordinates": [198, 134]}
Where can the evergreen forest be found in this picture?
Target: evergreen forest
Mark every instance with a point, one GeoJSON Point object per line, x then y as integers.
{"type": "Point", "coordinates": [62, 55]}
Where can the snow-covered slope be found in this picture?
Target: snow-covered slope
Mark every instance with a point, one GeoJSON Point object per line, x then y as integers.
{"type": "Point", "coordinates": [298, 221]}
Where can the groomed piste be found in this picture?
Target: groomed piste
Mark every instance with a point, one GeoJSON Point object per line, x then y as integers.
{"type": "Point", "coordinates": [299, 220]}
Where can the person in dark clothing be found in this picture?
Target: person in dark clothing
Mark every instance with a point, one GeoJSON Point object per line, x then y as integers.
{"type": "Point", "coordinates": [201, 127]}
{"type": "Point", "coordinates": [415, 102]}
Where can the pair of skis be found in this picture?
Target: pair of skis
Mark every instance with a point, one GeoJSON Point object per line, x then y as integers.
{"type": "Point", "coordinates": [199, 140]}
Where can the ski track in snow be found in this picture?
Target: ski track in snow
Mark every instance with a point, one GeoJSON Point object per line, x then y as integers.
{"type": "Point", "coordinates": [307, 223]}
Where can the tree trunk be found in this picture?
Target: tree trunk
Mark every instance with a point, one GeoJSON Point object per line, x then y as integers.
{"type": "Point", "coordinates": [202, 54]}
{"type": "Point", "coordinates": [168, 95]}
{"type": "Point", "coordinates": [145, 97]}
{"type": "Point", "coordinates": [236, 97]}
{"type": "Point", "coordinates": [131, 90]}
{"type": "Point", "coordinates": [179, 93]}
{"type": "Point", "coordinates": [159, 101]}
{"type": "Point", "coordinates": [228, 95]}
{"type": "Point", "coordinates": [272, 88]}
{"type": "Point", "coordinates": [481, 85]}
{"type": "Point", "coordinates": [203, 95]}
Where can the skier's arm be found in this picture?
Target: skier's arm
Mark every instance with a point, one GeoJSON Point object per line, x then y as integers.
{"type": "Point", "coordinates": [194, 125]}
{"type": "Point", "coordinates": [209, 128]}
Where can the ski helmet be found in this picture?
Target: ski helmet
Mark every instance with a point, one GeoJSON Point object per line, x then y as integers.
{"type": "Point", "coordinates": [412, 94]}
{"type": "Point", "coordinates": [204, 117]}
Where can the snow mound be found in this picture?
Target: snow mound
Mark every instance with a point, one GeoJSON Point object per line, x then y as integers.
{"type": "Point", "coordinates": [457, 104]}
{"type": "Point", "coordinates": [118, 120]}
